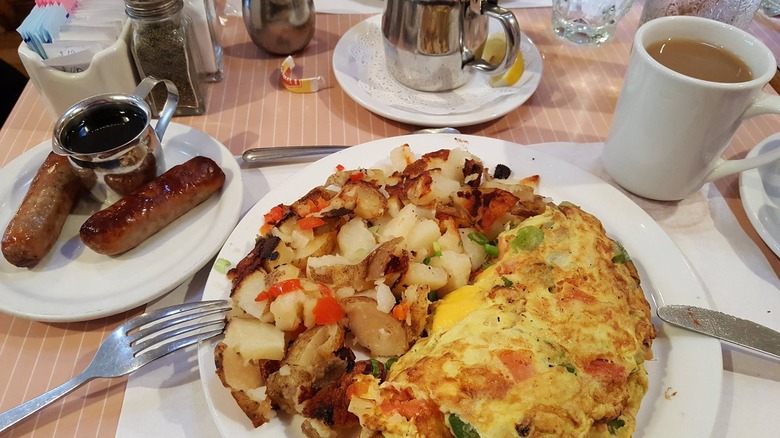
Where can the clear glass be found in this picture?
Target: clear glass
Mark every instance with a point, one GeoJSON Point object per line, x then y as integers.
{"type": "Point", "coordinates": [164, 48]}
{"type": "Point", "coordinates": [770, 8]}
{"type": "Point", "coordinates": [587, 21]}
{"type": "Point", "coordinates": [203, 16]}
{"type": "Point", "coordinates": [738, 13]}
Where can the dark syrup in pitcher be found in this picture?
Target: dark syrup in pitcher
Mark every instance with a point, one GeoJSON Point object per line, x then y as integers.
{"type": "Point", "coordinates": [104, 128]}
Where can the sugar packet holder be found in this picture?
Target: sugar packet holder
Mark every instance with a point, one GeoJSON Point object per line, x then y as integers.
{"type": "Point", "coordinates": [112, 70]}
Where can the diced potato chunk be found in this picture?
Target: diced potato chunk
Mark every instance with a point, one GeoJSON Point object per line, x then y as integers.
{"type": "Point", "coordinates": [400, 157]}
{"type": "Point", "coordinates": [255, 340]}
{"type": "Point", "coordinates": [402, 224]}
{"type": "Point", "coordinates": [355, 239]}
{"type": "Point", "coordinates": [287, 309]}
{"type": "Point", "coordinates": [338, 271]}
{"type": "Point", "coordinates": [246, 292]}
{"type": "Point", "coordinates": [319, 245]}
{"type": "Point", "coordinates": [430, 187]}
{"type": "Point", "coordinates": [450, 240]}
{"type": "Point", "coordinates": [474, 250]}
{"type": "Point", "coordinates": [453, 167]}
{"type": "Point", "coordinates": [422, 236]}
{"type": "Point", "coordinates": [458, 268]}
{"type": "Point", "coordinates": [432, 276]}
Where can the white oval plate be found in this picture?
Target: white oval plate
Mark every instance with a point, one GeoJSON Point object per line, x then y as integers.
{"type": "Point", "coordinates": [347, 76]}
{"type": "Point", "coordinates": [760, 192]}
{"type": "Point", "coordinates": [686, 373]}
{"type": "Point", "coordinates": [73, 283]}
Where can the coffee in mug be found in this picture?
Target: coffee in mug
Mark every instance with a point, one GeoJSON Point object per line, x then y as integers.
{"type": "Point", "coordinates": [700, 60]}
{"type": "Point", "coordinates": [670, 126]}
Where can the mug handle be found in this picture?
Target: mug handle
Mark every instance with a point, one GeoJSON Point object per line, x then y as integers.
{"type": "Point", "coordinates": [171, 101]}
{"type": "Point", "coordinates": [511, 29]}
{"type": "Point", "coordinates": [766, 104]}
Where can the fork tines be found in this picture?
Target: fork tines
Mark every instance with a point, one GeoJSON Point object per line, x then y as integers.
{"type": "Point", "coordinates": [162, 331]}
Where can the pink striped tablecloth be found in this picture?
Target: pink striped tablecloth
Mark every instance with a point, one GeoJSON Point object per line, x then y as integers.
{"type": "Point", "coordinates": [574, 103]}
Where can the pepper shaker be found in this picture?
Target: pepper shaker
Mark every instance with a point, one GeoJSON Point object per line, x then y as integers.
{"type": "Point", "coordinates": [280, 27]}
{"type": "Point", "coordinates": [163, 46]}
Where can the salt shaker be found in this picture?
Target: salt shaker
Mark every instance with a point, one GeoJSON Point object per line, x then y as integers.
{"type": "Point", "coordinates": [280, 27]}
{"type": "Point", "coordinates": [203, 17]}
{"type": "Point", "coordinates": [163, 46]}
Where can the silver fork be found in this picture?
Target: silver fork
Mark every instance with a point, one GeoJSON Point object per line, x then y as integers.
{"type": "Point", "coordinates": [134, 344]}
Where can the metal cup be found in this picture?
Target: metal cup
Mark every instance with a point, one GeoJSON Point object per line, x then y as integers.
{"type": "Point", "coordinates": [110, 142]}
{"type": "Point", "coordinates": [432, 45]}
{"type": "Point", "coordinates": [280, 27]}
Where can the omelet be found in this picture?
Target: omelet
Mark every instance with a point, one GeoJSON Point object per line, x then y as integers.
{"type": "Point", "coordinates": [548, 341]}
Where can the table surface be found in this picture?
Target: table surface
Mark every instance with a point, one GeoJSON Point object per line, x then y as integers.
{"type": "Point", "coordinates": [574, 103]}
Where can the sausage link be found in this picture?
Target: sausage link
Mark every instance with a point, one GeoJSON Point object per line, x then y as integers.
{"type": "Point", "coordinates": [128, 222]}
{"type": "Point", "coordinates": [37, 224]}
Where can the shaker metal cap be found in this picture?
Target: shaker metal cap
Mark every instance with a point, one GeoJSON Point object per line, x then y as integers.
{"type": "Point", "coordinates": [152, 8]}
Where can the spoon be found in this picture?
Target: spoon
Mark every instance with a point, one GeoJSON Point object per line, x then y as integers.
{"type": "Point", "coordinates": [277, 154]}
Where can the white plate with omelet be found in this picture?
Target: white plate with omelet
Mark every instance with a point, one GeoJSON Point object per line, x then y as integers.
{"type": "Point", "coordinates": [686, 371]}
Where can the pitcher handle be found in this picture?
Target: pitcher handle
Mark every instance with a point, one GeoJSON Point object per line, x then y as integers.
{"type": "Point", "coordinates": [511, 29]}
{"type": "Point", "coordinates": [171, 101]}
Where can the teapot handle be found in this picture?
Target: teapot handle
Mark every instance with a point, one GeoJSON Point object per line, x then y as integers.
{"type": "Point", "coordinates": [511, 28]}
{"type": "Point", "coordinates": [171, 101]}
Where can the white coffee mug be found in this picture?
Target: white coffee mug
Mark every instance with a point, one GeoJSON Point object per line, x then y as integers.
{"type": "Point", "coordinates": [669, 130]}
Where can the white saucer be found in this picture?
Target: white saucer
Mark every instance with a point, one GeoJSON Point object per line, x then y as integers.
{"type": "Point", "coordinates": [760, 192]}
{"type": "Point", "coordinates": [348, 73]}
{"type": "Point", "coordinates": [73, 283]}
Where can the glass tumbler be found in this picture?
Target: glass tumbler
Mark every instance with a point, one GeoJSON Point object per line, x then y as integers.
{"type": "Point", "coordinates": [587, 21]}
{"type": "Point", "coordinates": [738, 13]}
{"type": "Point", "coordinates": [771, 8]}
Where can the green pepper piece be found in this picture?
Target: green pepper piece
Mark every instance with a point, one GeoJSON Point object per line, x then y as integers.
{"type": "Point", "coordinates": [390, 363]}
{"type": "Point", "coordinates": [460, 428]}
{"type": "Point", "coordinates": [620, 253]}
{"type": "Point", "coordinates": [375, 371]}
{"type": "Point", "coordinates": [527, 239]}
{"type": "Point", "coordinates": [614, 425]}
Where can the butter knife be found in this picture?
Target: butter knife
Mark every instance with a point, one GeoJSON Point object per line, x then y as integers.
{"type": "Point", "coordinates": [737, 331]}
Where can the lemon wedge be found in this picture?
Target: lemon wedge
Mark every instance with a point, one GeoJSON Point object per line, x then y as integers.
{"type": "Point", "coordinates": [494, 51]}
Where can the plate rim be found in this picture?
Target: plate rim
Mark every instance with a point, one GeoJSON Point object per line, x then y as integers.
{"type": "Point", "coordinates": [754, 196]}
{"type": "Point", "coordinates": [229, 204]}
{"type": "Point", "coordinates": [678, 407]}
{"type": "Point", "coordinates": [341, 51]}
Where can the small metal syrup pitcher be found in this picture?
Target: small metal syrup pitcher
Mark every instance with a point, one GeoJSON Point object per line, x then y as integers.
{"type": "Point", "coordinates": [110, 142]}
{"type": "Point", "coordinates": [280, 27]}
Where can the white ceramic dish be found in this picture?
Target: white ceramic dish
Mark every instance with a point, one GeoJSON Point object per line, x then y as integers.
{"type": "Point", "coordinates": [760, 192]}
{"type": "Point", "coordinates": [686, 373]}
{"type": "Point", "coordinates": [347, 74]}
{"type": "Point", "coordinates": [73, 283]}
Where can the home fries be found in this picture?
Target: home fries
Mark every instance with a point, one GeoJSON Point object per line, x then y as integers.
{"type": "Point", "coordinates": [436, 298]}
